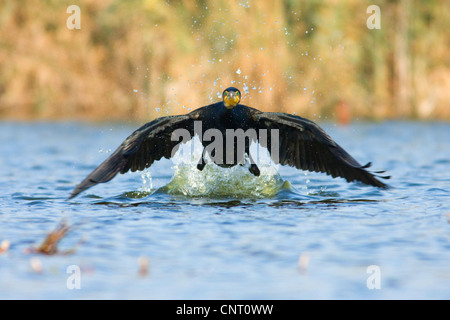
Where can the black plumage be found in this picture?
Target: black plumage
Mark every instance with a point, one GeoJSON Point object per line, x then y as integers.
{"type": "Point", "coordinates": [301, 143]}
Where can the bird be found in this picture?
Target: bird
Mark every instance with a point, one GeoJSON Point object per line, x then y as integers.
{"type": "Point", "coordinates": [296, 142]}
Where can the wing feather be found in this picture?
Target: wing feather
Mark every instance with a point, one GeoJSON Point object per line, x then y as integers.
{"type": "Point", "coordinates": [147, 144]}
{"type": "Point", "coordinates": [304, 145]}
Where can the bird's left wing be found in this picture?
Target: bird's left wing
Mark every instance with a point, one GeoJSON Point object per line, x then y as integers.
{"type": "Point", "coordinates": [304, 145]}
{"type": "Point", "coordinates": [147, 144]}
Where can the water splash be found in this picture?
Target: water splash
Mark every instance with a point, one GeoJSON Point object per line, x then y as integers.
{"type": "Point", "coordinates": [147, 184]}
{"type": "Point", "coordinates": [245, 87]}
{"type": "Point", "coordinates": [216, 182]}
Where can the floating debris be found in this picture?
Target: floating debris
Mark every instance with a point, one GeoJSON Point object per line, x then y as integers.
{"type": "Point", "coordinates": [144, 263]}
{"type": "Point", "coordinates": [36, 265]}
{"type": "Point", "coordinates": [49, 246]}
{"type": "Point", "coordinates": [4, 246]}
{"type": "Point", "coordinates": [303, 262]}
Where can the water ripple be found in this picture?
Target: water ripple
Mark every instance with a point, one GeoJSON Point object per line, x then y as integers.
{"type": "Point", "coordinates": [224, 233]}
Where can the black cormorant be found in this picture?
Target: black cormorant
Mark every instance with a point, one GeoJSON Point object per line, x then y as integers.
{"type": "Point", "coordinates": [296, 142]}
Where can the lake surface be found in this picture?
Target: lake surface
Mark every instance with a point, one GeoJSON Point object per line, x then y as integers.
{"type": "Point", "coordinates": [223, 234]}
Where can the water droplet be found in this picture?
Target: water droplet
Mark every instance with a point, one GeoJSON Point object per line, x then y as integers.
{"type": "Point", "coordinates": [238, 71]}
{"type": "Point", "coordinates": [135, 90]}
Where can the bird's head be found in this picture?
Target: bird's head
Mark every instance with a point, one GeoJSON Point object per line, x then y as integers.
{"type": "Point", "coordinates": [231, 97]}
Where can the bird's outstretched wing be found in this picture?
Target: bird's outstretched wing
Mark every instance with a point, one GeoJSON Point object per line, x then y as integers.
{"type": "Point", "coordinates": [147, 144]}
{"type": "Point", "coordinates": [304, 145]}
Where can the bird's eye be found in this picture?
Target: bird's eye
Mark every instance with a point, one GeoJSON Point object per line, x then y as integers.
{"type": "Point", "coordinates": [237, 93]}
{"type": "Point", "coordinates": [225, 93]}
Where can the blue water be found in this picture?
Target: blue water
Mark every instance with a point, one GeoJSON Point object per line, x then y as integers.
{"type": "Point", "coordinates": [222, 242]}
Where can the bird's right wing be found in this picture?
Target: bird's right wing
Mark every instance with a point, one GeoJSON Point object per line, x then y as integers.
{"type": "Point", "coordinates": [147, 144]}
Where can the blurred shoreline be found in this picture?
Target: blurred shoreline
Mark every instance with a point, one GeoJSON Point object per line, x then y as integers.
{"type": "Point", "coordinates": [138, 60]}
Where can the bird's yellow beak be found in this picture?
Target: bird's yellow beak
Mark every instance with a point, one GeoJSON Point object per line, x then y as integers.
{"type": "Point", "coordinates": [231, 99]}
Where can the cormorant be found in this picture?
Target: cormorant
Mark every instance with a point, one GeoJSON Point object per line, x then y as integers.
{"type": "Point", "coordinates": [297, 142]}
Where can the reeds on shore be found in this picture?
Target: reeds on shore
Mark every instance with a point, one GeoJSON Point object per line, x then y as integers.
{"type": "Point", "coordinates": [139, 60]}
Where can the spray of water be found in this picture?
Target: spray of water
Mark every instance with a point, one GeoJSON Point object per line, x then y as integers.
{"type": "Point", "coordinates": [214, 181]}
{"type": "Point", "coordinates": [217, 182]}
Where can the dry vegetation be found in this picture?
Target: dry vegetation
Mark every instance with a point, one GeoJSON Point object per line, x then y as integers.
{"type": "Point", "coordinates": [144, 59]}
{"type": "Point", "coordinates": [50, 244]}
